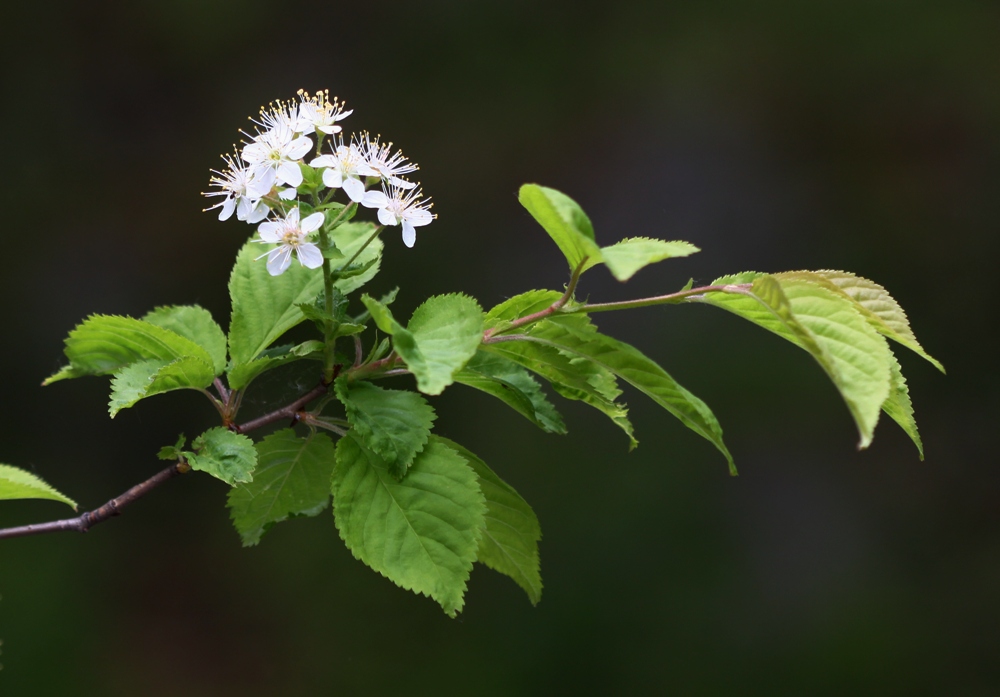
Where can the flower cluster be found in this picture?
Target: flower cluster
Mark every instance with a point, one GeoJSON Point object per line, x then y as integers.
{"type": "Point", "coordinates": [271, 180]}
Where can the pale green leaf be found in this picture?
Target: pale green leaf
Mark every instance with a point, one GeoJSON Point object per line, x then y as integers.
{"type": "Point", "coordinates": [381, 314]}
{"type": "Point", "coordinates": [421, 532]}
{"type": "Point", "coordinates": [827, 325]}
{"type": "Point", "coordinates": [223, 454]}
{"type": "Point", "coordinates": [147, 378]}
{"type": "Point", "coordinates": [898, 406]}
{"type": "Point", "coordinates": [440, 338]}
{"type": "Point", "coordinates": [103, 344]}
{"type": "Point", "coordinates": [15, 483]}
{"type": "Point", "coordinates": [265, 306]}
{"type": "Point", "coordinates": [292, 479]}
{"type": "Point", "coordinates": [349, 237]}
{"type": "Point", "coordinates": [626, 257]}
{"type": "Point", "coordinates": [393, 423]}
{"type": "Point", "coordinates": [565, 221]}
{"type": "Point", "coordinates": [511, 384]}
{"type": "Point", "coordinates": [509, 543]}
{"type": "Point", "coordinates": [629, 364]}
{"type": "Point", "coordinates": [874, 302]}
{"type": "Point", "coordinates": [194, 323]}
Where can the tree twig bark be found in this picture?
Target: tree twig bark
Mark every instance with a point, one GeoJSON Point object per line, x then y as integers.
{"type": "Point", "coordinates": [83, 523]}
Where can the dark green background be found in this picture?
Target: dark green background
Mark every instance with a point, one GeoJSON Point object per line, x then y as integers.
{"type": "Point", "coordinates": [856, 134]}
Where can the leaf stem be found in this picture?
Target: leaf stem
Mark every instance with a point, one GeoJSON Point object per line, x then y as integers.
{"type": "Point", "coordinates": [84, 522]}
{"type": "Point", "coordinates": [555, 307]}
{"type": "Point", "coordinates": [370, 239]}
{"type": "Point", "coordinates": [670, 298]}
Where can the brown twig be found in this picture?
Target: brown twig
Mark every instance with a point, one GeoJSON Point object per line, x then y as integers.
{"type": "Point", "coordinates": [84, 522]}
{"type": "Point", "coordinates": [287, 412]}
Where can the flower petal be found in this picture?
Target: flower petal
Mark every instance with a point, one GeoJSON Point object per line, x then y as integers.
{"type": "Point", "coordinates": [386, 217]}
{"type": "Point", "coordinates": [270, 231]}
{"type": "Point", "coordinates": [409, 234]}
{"type": "Point", "coordinates": [289, 173]}
{"type": "Point", "coordinates": [298, 148]}
{"type": "Point", "coordinates": [332, 178]}
{"type": "Point", "coordinates": [419, 217]}
{"type": "Point", "coordinates": [323, 161]}
{"type": "Point", "coordinates": [312, 222]}
{"type": "Point", "coordinates": [355, 189]}
{"type": "Point", "coordinates": [309, 255]}
{"type": "Point", "coordinates": [374, 199]}
{"type": "Point", "coordinates": [227, 208]}
{"type": "Point", "coordinates": [259, 212]}
{"type": "Point", "coordinates": [279, 260]}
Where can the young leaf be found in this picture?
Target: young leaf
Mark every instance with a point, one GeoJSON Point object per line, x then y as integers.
{"type": "Point", "coordinates": [103, 344]}
{"type": "Point", "coordinates": [423, 532]}
{"type": "Point", "coordinates": [439, 340]}
{"type": "Point", "coordinates": [565, 221]}
{"type": "Point", "coordinates": [633, 367]}
{"type": "Point", "coordinates": [292, 478]}
{"type": "Point", "coordinates": [509, 543]}
{"type": "Point", "coordinates": [194, 323]}
{"type": "Point", "coordinates": [223, 454]}
{"type": "Point", "coordinates": [15, 483]}
{"type": "Point", "coordinates": [874, 302]}
{"type": "Point", "coordinates": [395, 424]}
{"type": "Point", "coordinates": [147, 378]}
{"type": "Point", "coordinates": [519, 306]}
{"type": "Point", "coordinates": [829, 327]}
{"type": "Point", "coordinates": [626, 257]}
{"type": "Point", "coordinates": [511, 384]}
{"type": "Point", "coordinates": [265, 306]}
{"type": "Point", "coordinates": [898, 406]}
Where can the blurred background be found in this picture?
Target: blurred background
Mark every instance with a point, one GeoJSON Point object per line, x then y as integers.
{"type": "Point", "coordinates": [775, 135]}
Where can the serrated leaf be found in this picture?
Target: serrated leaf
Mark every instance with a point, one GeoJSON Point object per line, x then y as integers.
{"type": "Point", "coordinates": [15, 483]}
{"type": "Point", "coordinates": [511, 384]}
{"type": "Point", "coordinates": [103, 344]}
{"type": "Point", "coordinates": [626, 257]}
{"type": "Point", "coordinates": [395, 424]}
{"type": "Point", "coordinates": [422, 532]}
{"type": "Point", "coordinates": [292, 478]}
{"type": "Point", "coordinates": [381, 314]}
{"type": "Point", "coordinates": [147, 378]}
{"type": "Point", "coordinates": [632, 366]}
{"type": "Point", "coordinates": [223, 454]}
{"type": "Point", "coordinates": [564, 220]}
{"type": "Point", "coordinates": [195, 323]}
{"type": "Point", "coordinates": [572, 378]}
{"type": "Point", "coordinates": [349, 237]}
{"type": "Point", "coordinates": [509, 544]}
{"type": "Point", "coordinates": [874, 302]}
{"type": "Point", "coordinates": [265, 306]}
{"type": "Point", "coordinates": [829, 327]}
{"type": "Point", "coordinates": [898, 406]}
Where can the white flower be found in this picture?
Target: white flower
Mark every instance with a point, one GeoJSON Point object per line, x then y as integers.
{"type": "Point", "coordinates": [389, 165]}
{"type": "Point", "coordinates": [344, 169]}
{"type": "Point", "coordinates": [233, 184]}
{"type": "Point", "coordinates": [318, 113]}
{"type": "Point", "coordinates": [273, 156]}
{"type": "Point", "coordinates": [290, 236]}
{"type": "Point", "coordinates": [402, 206]}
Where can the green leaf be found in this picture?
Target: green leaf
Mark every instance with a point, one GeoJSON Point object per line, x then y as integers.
{"type": "Point", "coordinates": [15, 483]}
{"type": "Point", "coordinates": [173, 452]}
{"type": "Point", "coordinates": [829, 327]}
{"type": "Point", "coordinates": [265, 306]}
{"type": "Point", "coordinates": [633, 367]}
{"type": "Point", "coordinates": [519, 306]}
{"type": "Point", "coordinates": [395, 424]}
{"type": "Point", "coordinates": [292, 478]}
{"type": "Point", "coordinates": [509, 543]}
{"type": "Point", "coordinates": [626, 257]}
{"type": "Point", "coordinates": [439, 340]}
{"type": "Point", "coordinates": [147, 378]}
{"type": "Point", "coordinates": [898, 406]}
{"type": "Point", "coordinates": [874, 302]}
{"type": "Point", "coordinates": [103, 344]}
{"type": "Point", "coordinates": [194, 323]}
{"type": "Point", "coordinates": [423, 532]}
{"type": "Point", "coordinates": [511, 384]}
{"type": "Point", "coordinates": [381, 314]}
{"type": "Point", "coordinates": [223, 454]}
{"type": "Point", "coordinates": [565, 222]}
{"type": "Point", "coordinates": [571, 377]}
{"type": "Point", "coordinates": [349, 237]}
